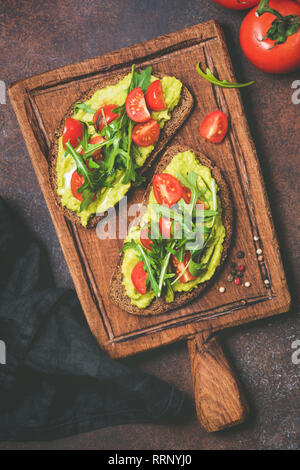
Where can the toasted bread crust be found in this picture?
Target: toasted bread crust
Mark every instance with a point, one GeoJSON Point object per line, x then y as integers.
{"type": "Point", "coordinates": [117, 288]}
{"type": "Point", "coordinates": [179, 115]}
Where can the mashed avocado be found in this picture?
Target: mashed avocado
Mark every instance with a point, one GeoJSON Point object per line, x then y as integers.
{"type": "Point", "coordinates": [183, 163]}
{"type": "Point", "coordinates": [108, 197]}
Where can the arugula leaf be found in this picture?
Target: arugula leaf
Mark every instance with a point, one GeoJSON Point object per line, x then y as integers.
{"type": "Point", "coordinates": [215, 81]}
{"type": "Point", "coordinates": [141, 79]}
{"type": "Point", "coordinates": [164, 267]}
{"type": "Point", "coordinates": [93, 180]}
{"type": "Point", "coordinates": [86, 108]}
{"type": "Point", "coordinates": [143, 256]}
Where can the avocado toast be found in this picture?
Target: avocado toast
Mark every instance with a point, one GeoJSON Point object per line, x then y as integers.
{"type": "Point", "coordinates": [90, 174]}
{"type": "Point", "coordinates": [183, 163]}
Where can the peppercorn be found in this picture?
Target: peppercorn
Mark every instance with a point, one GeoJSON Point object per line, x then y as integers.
{"type": "Point", "coordinates": [233, 264]}
{"type": "Point", "coordinates": [239, 275]}
{"type": "Point", "coordinates": [237, 281]}
{"type": "Point", "coordinates": [241, 268]}
{"type": "Point", "coordinates": [230, 278]}
{"type": "Point", "coordinates": [240, 254]}
{"type": "Point", "coordinates": [233, 272]}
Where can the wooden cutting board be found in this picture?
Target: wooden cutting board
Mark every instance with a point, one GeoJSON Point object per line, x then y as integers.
{"type": "Point", "coordinates": [41, 101]}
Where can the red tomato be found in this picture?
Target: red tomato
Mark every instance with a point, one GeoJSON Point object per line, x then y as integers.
{"type": "Point", "coordinates": [237, 4]}
{"type": "Point", "coordinates": [97, 155]}
{"type": "Point", "coordinates": [264, 55]}
{"type": "Point", "coordinates": [73, 131]}
{"type": "Point", "coordinates": [146, 133]}
{"type": "Point", "coordinates": [214, 127]}
{"type": "Point", "coordinates": [98, 120]}
{"type": "Point", "coordinates": [76, 182]}
{"type": "Point", "coordinates": [145, 240]}
{"type": "Point", "coordinates": [136, 107]}
{"type": "Point", "coordinates": [187, 198]}
{"type": "Point", "coordinates": [154, 96]}
{"type": "Point", "coordinates": [165, 226]}
{"type": "Point", "coordinates": [167, 189]}
{"type": "Point", "coordinates": [138, 277]}
{"type": "Point", "coordinates": [186, 277]}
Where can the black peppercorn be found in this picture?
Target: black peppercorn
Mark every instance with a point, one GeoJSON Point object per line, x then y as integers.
{"type": "Point", "coordinates": [240, 254]}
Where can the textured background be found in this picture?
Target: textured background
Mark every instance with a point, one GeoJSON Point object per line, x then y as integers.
{"type": "Point", "coordinates": [39, 36]}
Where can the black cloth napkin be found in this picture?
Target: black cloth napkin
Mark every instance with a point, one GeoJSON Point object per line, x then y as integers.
{"type": "Point", "coordinates": [56, 380]}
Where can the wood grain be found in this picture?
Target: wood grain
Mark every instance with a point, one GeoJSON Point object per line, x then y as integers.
{"type": "Point", "coordinates": [220, 401]}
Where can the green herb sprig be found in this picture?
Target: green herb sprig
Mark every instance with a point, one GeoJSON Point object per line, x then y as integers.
{"type": "Point", "coordinates": [157, 260]}
{"type": "Point", "coordinates": [221, 83]}
{"type": "Point", "coordinates": [93, 179]}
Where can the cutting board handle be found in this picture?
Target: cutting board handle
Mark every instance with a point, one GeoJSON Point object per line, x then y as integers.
{"type": "Point", "coordinates": [220, 402]}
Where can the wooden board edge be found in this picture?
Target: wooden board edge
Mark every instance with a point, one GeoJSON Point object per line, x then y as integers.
{"type": "Point", "coordinates": [86, 63]}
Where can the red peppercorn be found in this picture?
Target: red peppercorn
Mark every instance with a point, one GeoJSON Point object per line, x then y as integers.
{"type": "Point", "coordinates": [237, 281]}
{"type": "Point", "coordinates": [241, 268]}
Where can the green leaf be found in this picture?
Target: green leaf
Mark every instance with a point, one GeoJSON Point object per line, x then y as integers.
{"type": "Point", "coordinates": [215, 81]}
{"type": "Point", "coordinates": [141, 79]}
{"type": "Point", "coordinates": [87, 109]}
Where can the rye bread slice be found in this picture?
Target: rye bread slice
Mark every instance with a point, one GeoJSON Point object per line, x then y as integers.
{"type": "Point", "coordinates": [117, 289]}
{"type": "Point", "coordinates": [179, 115]}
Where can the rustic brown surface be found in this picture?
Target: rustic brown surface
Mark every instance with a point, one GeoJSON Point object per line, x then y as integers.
{"type": "Point", "coordinates": [262, 352]}
{"type": "Point", "coordinates": [220, 401]}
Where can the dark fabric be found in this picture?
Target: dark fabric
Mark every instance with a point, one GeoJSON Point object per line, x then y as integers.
{"type": "Point", "coordinates": [56, 380]}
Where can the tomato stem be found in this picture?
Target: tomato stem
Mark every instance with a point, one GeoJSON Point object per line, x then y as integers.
{"type": "Point", "coordinates": [264, 7]}
{"type": "Point", "coordinates": [282, 27]}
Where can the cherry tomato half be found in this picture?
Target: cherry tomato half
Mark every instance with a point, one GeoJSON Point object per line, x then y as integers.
{"type": "Point", "coordinates": [214, 127]}
{"type": "Point", "coordinates": [145, 133]}
{"type": "Point", "coordinates": [97, 155]}
{"type": "Point", "coordinates": [237, 4]}
{"type": "Point", "coordinates": [186, 276]}
{"type": "Point", "coordinates": [73, 131]}
{"type": "Point", "coordinates": [155, 97]}
{"type": "Point", "coordinates": [187, 198]}
{"type": "Point", "coordinates": [76, 182]}
{"type": "Point", "coordinates": [167, 189]}
{"type": "Point", "coordinates": [138, 277]}
{"type": "Point", "coordinates": [136, 107]}
{"type": "Point", "coordinates": [98, 120]}
{"type": "Point", "coordinates": [145, 240]}
{"type": "Point", "coordinates": [281, 58]}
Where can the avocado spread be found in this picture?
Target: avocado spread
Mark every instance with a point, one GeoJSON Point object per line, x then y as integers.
{"type": "Point", "coordinates": [108, 197]}
{"type": "Point", "coordinates": [183, 163]}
